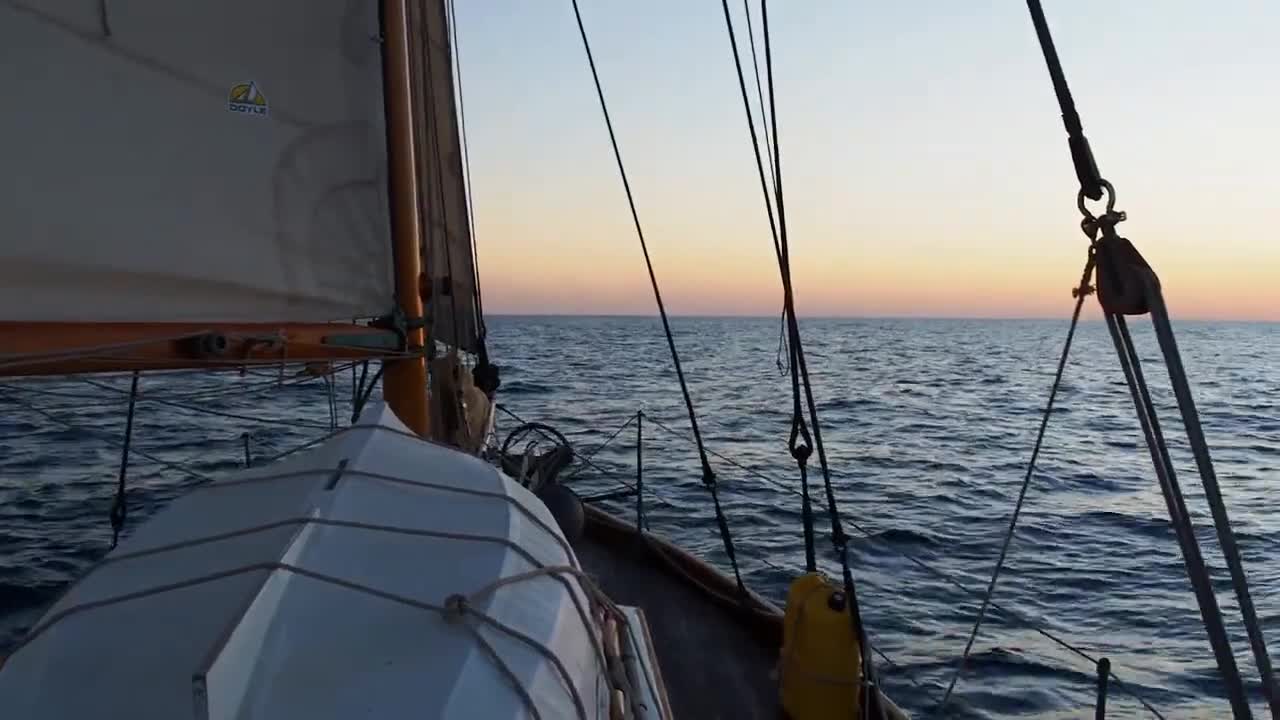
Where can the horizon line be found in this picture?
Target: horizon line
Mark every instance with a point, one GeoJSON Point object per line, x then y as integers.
{"type": "Point", "coordinates": [807, 316]}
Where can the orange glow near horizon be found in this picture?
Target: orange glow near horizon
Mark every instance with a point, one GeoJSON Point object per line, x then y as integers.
{"type": "Point", "coordinates": [916, 184]}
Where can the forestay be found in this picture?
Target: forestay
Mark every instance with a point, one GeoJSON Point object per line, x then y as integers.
{"type": "Point", "coordinates": [174, 160]}
{"type": "Point", "coordinates": [320, 587]}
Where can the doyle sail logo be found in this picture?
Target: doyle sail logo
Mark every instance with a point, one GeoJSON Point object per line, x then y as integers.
{"type": "Point", "coordinates": [247, 98]}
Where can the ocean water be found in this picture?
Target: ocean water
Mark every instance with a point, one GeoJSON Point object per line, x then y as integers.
{"type": "Point", "coordinates": [928, 425]}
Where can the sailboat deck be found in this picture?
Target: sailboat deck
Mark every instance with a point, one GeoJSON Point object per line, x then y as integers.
{"type": "Point", "coordinates": [714, 664]}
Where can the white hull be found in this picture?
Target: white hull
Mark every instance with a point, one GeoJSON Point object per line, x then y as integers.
{"type": "Point", "coordinates": [325, 586]}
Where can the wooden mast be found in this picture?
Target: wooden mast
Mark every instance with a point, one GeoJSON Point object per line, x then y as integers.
{"type": "Point", "coordinates": [405, 380]}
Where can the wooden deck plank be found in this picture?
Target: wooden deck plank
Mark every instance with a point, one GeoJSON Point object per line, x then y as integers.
{"type": "Point", "coordinates": [713, 665]}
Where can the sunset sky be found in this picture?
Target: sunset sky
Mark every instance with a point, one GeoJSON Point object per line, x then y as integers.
{"type": "Point", "coordinates": [925, 163]}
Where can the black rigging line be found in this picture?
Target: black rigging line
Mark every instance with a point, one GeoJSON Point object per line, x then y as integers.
{"type": "Point", "coordinates": [1081, 154]}
{"type": "Point", "coordinates": [798, 429]}
{"type": "Point", "coordinates": [708, 475]}
{"type": "Point", "coordinates": [1081, 292]}
{"type": "Point", "coordinates": [120, 505]}
{"type": "Point", "coordinates": [800, 367]}
{"type": "Point", "coordinates": [755, 65]}
{"type": "Point", "coordinates": [1120, 271]}
{"type": "Point", "coordinates": [800, 442]}
{"type": "Point", "coordinates": [366, 392]}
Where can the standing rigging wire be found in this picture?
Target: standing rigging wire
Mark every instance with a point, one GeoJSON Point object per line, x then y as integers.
{"type": "Point", "coordinates": [768, 153]}
{"type": "Point", "coordinates": [802, 440]}
{"type": "Point", "coordinates": [755, 66]}
{"type": "Point", "coordinates": [799, 431]}
{"type": "Point", "coordinates": [366, 392]}
{"type": "Point", "coordinates": [120, 505]}
{"type": "Point", "coordinates": [1081, 292]}
{"type": "Point", "coordinates": [1081, 154]}
{"type": "Point", "coordinates": [1128, 286]}
{"type": "Point", "coordinates": [708, 474]}
{"type": "Point", "coordinates": [800, 369]}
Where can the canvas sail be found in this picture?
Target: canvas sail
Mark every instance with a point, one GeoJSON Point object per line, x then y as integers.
{"type": "Point", "coordinates": [174, 160]}
{"type": "Point", "coordinates": [451, 306]}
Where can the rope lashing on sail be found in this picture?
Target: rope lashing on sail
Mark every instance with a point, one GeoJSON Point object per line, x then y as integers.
{"type": "Point", "coordinates": [1126, 285]}
{"type": "Point", "coordinates": [1080, 293]}
{"type": "Point", "coordinates": [120, 505]}
{"type": "Point", "coordinates": [708, 474]}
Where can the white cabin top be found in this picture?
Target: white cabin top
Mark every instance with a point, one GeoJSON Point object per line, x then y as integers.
{"type": "Point", "coordinates": [312, 588]}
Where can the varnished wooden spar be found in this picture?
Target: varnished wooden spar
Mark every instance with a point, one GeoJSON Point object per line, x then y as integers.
{"type": "Point", "coordinates": [62, 348]}
{"type": "Point", "coordinates": [405, 381]}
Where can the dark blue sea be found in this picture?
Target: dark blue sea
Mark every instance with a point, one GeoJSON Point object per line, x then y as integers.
{"type": "Point", "coordinates": [928, 424]}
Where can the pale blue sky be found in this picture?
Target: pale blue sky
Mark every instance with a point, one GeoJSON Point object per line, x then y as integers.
{"type": "Point", "coordinates": [926, 165]}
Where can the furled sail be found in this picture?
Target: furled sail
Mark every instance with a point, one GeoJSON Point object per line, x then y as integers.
{"type": "Point", "coordinates": [174, 160]}
{"type": "Point", "coordinates": [442, 190]}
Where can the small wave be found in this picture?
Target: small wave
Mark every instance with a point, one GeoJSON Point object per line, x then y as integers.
{"type": "Point", "coordinates": [522, 387]}
{"type": "Point", "coordinates": [14, 598]}
{"type": "Point", "coordinates": [1154, 527]}
{"type": "Point", "coordinates": [846, 404]}
{"type": "Point", "coordinates": [901, 536]}
{"type": "Point", "coordinates": [1009, 661]}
